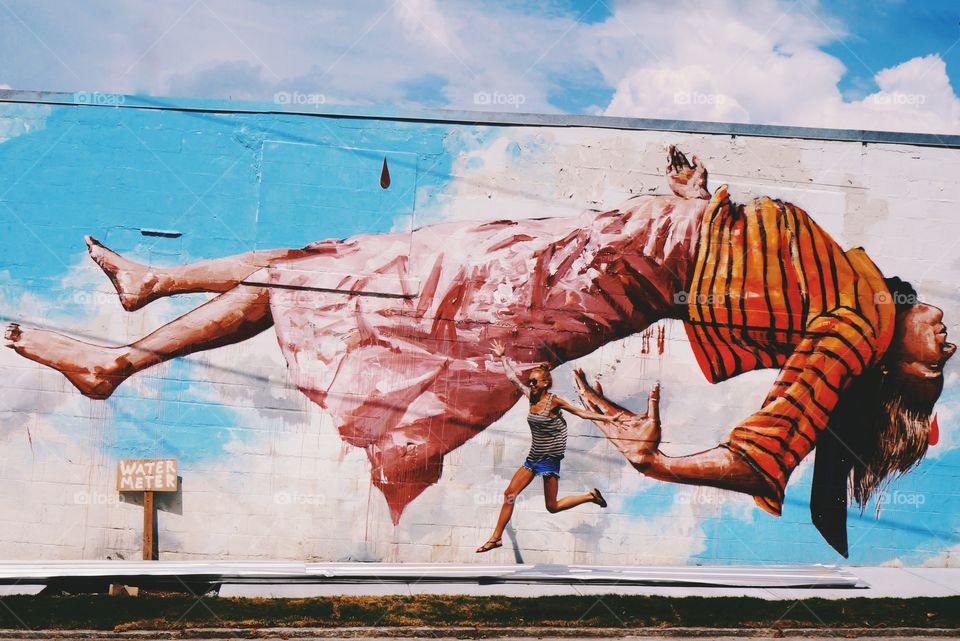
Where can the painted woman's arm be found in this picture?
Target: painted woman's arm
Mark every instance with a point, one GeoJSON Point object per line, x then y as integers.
{"type": "Point", "coordinates": [637, 436]}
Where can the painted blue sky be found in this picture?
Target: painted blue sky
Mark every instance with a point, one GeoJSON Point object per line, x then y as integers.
{"type": "Point", "coordinates": [208, 179]}
{"type": "Point", "coordinates": [889, 64]}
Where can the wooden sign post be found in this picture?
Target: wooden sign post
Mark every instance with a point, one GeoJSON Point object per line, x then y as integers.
{"type": "Point", "coordinates": [147, 476]}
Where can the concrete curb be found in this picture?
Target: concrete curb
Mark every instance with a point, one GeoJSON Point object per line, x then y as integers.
{"type": "Point", "coordinates": [478, 633]}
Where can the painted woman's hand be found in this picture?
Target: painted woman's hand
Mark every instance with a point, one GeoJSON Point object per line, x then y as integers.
{"type": "Point", "coordinates": [497, 348]}
{"type": "Point", "coordinates": [686, 180]}
{"type": "Point", "coordinates": [639, 434]}
{"type": "Point", "coordinates": [636, 436]}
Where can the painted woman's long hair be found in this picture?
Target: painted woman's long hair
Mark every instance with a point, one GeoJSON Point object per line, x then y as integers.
{"type": "Point", "coordinates": [889, 423]}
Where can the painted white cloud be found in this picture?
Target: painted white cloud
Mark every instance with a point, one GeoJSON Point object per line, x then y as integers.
{"type": "Point", "coordinates": [18, 120]}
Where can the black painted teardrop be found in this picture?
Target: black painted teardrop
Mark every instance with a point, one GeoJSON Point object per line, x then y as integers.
{"type": "Point", "coordinates": [385, 174]}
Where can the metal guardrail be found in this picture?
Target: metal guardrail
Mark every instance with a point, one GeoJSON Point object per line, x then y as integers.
{"type": "Point", "coordinates": [270, 572]}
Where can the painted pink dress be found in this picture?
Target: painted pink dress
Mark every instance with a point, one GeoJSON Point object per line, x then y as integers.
{"type": "Point", "coordinates": [404, 369]}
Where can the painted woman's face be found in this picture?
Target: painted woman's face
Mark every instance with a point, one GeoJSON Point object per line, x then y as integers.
{"type": "Point", "coordinates": [921, 347]}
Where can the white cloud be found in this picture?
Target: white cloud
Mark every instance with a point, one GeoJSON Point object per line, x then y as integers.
{"type": "Point", "coordinates": [914, 96]}
{"type": "Point", "coordinates": [368, 51]}
{"type": "Point", "coordinates": [765, 67]}
{"type": "Point", "coordinates": [683, 93]}
{"type": "Point", "coordinates": [425, 24]}
{"type": "Point", "coordinates": [757, 62]}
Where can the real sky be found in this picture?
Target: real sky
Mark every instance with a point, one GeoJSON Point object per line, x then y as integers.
{"type": "Point", "coordinates": [887, 64]}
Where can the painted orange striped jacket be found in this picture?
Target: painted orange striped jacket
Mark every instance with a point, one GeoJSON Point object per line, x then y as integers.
{"type": "Point", "coordinates": [771, 289]}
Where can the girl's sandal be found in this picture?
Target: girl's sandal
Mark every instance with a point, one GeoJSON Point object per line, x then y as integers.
{"type": "Point", "coordinates": [598, 498]}
{"type": "Point", "coordinates": [490, 545]}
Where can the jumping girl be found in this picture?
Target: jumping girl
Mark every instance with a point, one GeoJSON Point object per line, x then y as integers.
{"type": "Point", "coordinates": [549, 431]}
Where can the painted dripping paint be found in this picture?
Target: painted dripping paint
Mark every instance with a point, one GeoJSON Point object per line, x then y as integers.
{"type": "Point", "coordinates": [645, 340]}
{"type": "Point", "coordinates": [385, 175]}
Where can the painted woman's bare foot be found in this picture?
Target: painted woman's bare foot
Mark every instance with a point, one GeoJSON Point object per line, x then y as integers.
{"type": "Point", "coordinates": [94, 370]}
{"type": "Point", "coordinates": [136, 284]}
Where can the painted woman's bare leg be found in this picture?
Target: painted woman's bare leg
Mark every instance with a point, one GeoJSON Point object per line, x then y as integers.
{"type": "Point", "coordinates": [138, 284]}
{"type": "Point", "coordinates": [97, 370]}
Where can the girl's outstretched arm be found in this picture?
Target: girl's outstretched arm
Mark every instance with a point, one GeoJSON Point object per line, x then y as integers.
{"type": "Point", "coordinates": [500, 351]}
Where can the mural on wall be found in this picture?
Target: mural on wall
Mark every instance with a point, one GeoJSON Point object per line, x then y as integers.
{"type": "Point", "coordinates": [391, 334]}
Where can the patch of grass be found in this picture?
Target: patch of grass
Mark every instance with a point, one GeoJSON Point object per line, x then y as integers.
{"type": "Point", "coordinates": [99, 612]}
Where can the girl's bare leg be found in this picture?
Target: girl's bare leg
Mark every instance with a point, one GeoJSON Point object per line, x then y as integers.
{"type": "Point", "coordinates": [97, 370]}
{"type": "Point", "coordinates": [521, 479]}
{"type": "Point", "coordinates": [138, 284]}
{"type": "Point", "coordinates": [554, 505]}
